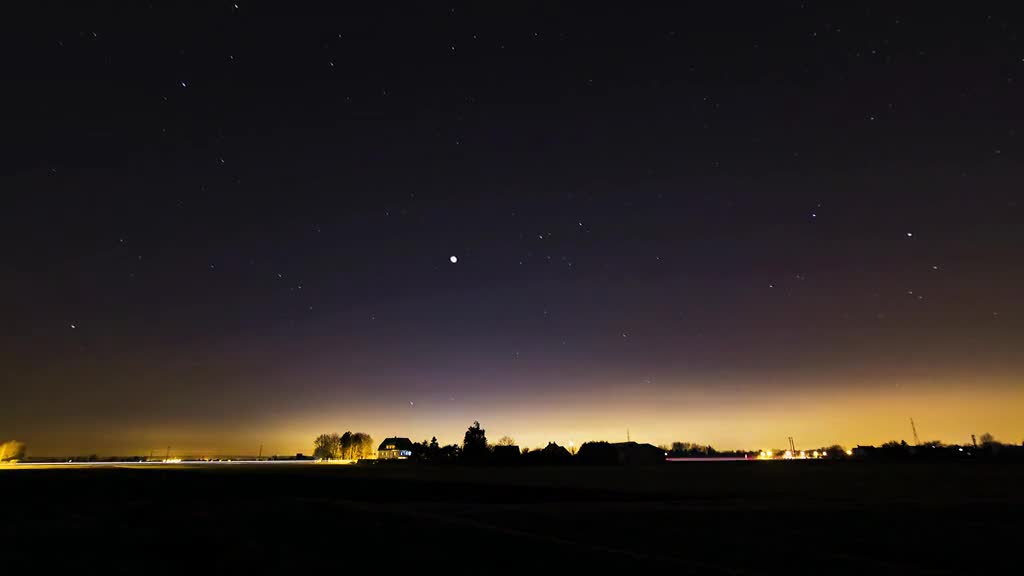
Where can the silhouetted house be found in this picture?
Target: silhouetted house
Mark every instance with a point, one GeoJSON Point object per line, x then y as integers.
{"type": "Point", "coordinates": [865, 451]}
{"type": "Point", "coordinates": [550, 455]}
{"type": "Point", "coordinates": [636, 454]}
{"type": "Point", "coordinates": [394, 449]}
{"type": "Point", "coordinates": [506, 454]}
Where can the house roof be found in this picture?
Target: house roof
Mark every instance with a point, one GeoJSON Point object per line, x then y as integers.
{"type": "Point", "coordinates": [397, 443]}
{"type": "Point", "coordinates": [634, 452]}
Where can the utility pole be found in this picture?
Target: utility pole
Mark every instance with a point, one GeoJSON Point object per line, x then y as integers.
{"type": "Point", "coordinates": [917, 441]}
{"type": "Point", "coordinates": [627, 435]}
{"type": "Point", "coordinates": [168, 455]}
{"type": "Point", "coordinates": [260, 457]}
{"type": "Point", "coordinates": [792, 446]}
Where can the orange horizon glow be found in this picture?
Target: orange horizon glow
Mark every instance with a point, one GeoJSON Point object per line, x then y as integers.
{"type": "Point", "coordinates": [736, 420]}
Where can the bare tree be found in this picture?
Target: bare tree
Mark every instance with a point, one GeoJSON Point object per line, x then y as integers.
{"type": "Point", "coordinates": [327, 447]}
{"type": "Point", "coordinates": [506, 441]}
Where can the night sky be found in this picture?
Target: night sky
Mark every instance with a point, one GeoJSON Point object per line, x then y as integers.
{"type": "Point", "coordinates": [232, 224]}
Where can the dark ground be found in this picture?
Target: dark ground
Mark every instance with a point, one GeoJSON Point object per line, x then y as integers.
{"type": "Point", "coordinates": [706, 518]}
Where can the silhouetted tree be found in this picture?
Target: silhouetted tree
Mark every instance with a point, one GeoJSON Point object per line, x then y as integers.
{"type": "Point", "coordinates": [894, 449]}
{"type": "Point", "coordinates": [598, 453]}
{"type": "Point", "coordinates": [433, 450]}
{"type": "Point", "coordinates": [420, 450]}
{"type": "Point", "coordinates": [327, 447]}
{"type": "Point", "coordinates": [12, 450]}
{"type": "Point", "coordinates": [362, 446]}
{"type": "Point", "coordinates": [346, 445]}
{"type": "Point", "coordinates": [834, 451]}
{"type": "Point", "coordinates": [688, 449]}
{"type": "Point", "coordinates": [449, 453]}
{"type": "Point", "coordinates": [987, 440]}
{"type": "Point", "coordinates": [506, 441]}
{"type": "Point", "coordinates": [474, 444]}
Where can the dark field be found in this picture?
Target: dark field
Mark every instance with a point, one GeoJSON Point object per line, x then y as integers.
{"type": "Point", "coordinates": [706, 518]}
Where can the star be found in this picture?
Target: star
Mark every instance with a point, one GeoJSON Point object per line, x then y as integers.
{"type": "Point", "coordinates": [73, 326]}
{"type": "Point", "coordinates": [453, 259]}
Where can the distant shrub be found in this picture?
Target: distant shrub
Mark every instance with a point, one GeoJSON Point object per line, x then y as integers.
{"type": "Point", "coordinates": [12, 451]}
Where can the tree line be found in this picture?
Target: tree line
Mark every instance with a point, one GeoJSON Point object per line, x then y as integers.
{"type": "Point", "coordinates": [475, 449]}
{"type": "Point", "coordinates": [348, 446]}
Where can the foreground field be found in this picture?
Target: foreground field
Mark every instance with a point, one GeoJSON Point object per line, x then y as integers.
{"type": "Point", "coordinates": [702, 518]}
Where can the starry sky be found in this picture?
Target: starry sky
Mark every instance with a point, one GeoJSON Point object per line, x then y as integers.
{"type": "Point", "coordinates": [231, 224]}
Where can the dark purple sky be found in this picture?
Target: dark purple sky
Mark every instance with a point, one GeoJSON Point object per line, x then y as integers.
{"type": "Point", "coordinates": [231, 224]}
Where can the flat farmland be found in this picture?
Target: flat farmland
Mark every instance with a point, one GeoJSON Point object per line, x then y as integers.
{"type": "Point", "coordinates": [807, 517]}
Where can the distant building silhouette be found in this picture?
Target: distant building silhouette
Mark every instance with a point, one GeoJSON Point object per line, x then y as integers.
{"type": "Point", "coordinates": [636, 454]}
{"type": "Point", "coordinates": [620, 453]}
{"type": "Point", "coordinates": [394, 449]}
{"type": "Point", "coordinates": [506, 454]}
{"type": "Point", "coordinates": [864, 451]}
{"type": "Point", "coordinates": [552, 454]}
